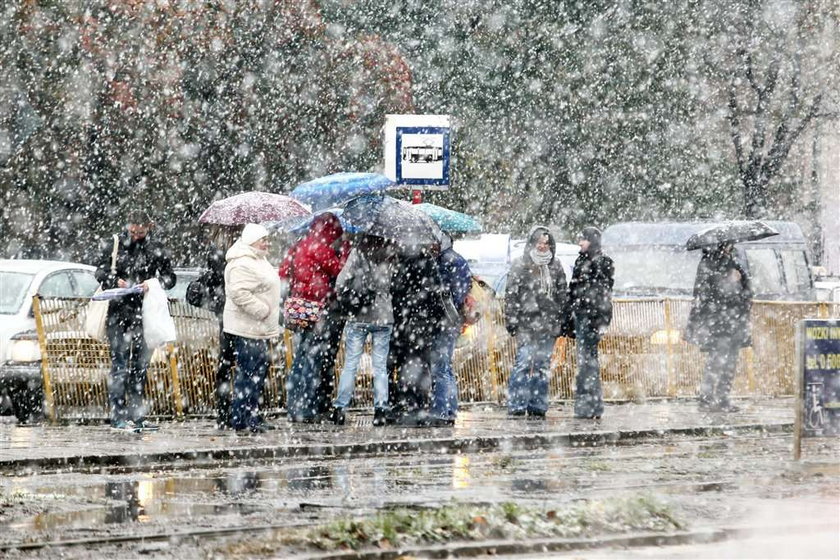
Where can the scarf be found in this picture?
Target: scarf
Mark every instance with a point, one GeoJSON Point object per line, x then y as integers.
{"type": "Point", "coordinates": [542, 260]}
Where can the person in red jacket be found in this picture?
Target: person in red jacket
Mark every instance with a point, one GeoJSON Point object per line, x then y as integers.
{"type": "Point", "coordinates": [311, 267]}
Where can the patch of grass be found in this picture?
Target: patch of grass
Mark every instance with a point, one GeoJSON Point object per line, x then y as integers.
{"type": "Point", "coordinates": [505, 462]}
{"type": "Point", "coordinates": [402, 527]}
{"type": "Point", "coordinates": [600, 466]}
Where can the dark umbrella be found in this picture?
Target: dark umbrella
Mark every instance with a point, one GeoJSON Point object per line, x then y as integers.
{"type": "Point", "coordinates": [253, 207]}
{"type": "Point", "coordinates": [335, 189]}
{"type": "Point", "coordinates": [730, 232]}
{"type": "Point", "coordinates": [392, 219]}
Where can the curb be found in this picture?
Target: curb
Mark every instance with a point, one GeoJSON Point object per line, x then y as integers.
{"type": "Point", "coordinates": [451, 445]}
{"type": "Point", "coordinates": [536, 546]}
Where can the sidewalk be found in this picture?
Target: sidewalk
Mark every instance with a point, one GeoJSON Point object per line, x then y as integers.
{"type": "Point", "coordinates": [479, 427]}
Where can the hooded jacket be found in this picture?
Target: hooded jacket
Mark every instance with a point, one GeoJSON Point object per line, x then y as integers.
{"type": "Point", "coordinates": [722, 302]}
{"type": "Point", "coordinates": [590, 290]}
{"type": "Point", "coordinates": [360, 272]}
{"type": "Point", "coordinates": [252, 290]}
{"type": "Point", "coordinates": [313, 264]}
{"type": "Point", "coordinates": [529, 309]}
{"type": "Point", "coordinates": [137, 261]}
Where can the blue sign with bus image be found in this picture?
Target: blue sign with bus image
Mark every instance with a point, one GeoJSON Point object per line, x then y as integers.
{"type": "Point", "coordinates": [423, 156]}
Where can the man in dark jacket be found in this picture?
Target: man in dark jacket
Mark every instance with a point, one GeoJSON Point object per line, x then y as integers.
{"type": "Point", "coordinates": [719, 322]}
{"type": "Point", "coordinates": [590, 310]}
{"type": "Point", "coordinates": [208, 291]}
{"type": "Point", "coordinates": [535, 298]}
{"type": "Point", "coordinates": [456, 283]}
{"type": "Point", "coordinates": [416, 293]}
{"type": "Point", "coordinates": [139, 258]}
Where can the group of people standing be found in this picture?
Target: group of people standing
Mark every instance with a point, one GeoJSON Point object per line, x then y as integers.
{"type": "Point", "coordinates": [412, 304]}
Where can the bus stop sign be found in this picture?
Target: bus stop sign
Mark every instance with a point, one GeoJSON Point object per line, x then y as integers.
{"type": "Point", "coordinates": [418, 150]}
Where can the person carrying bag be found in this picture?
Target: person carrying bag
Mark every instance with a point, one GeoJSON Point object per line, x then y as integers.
{"type": "Point", "coordinates": [139, 259]}
{"type": "Point", "coordinates": [311, 268]}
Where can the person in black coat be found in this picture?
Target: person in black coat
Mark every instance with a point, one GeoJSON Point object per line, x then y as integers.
{"type": "Point", "coordinates": [719, 322]}
{"type": "Point", "coordinates": [208, 291]}
{"type": "Point", "coordinates": [139, 258]}
{"type": "Point", "coordinates": [535, 297]}
{"type": "Point", "coordinates": [416, 295]}
{"type": "Point", "coordinates": [590, 313]}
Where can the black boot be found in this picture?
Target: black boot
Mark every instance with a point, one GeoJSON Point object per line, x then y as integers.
{"type": "Point", "coordinates": [338, 417]}
{"type": "Point", "coordinates": [380, 417]}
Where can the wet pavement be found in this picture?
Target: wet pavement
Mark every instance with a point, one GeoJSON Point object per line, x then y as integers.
{"type": "Point", "coordinates": [706, 481]}
{"type": "Point", "coordinates": [479, 427]}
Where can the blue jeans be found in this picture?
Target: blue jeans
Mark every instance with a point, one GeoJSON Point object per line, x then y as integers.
{"type": "Point", "coordinates": [355, 335]}
{"type": "Point", "coordinates": [303, 384]}
{"type": "Point", "coordinates": [129, 362]}
{"type": "Point", "coordinates": [251, 368]}
{"type": "Point", "coordinates": [589, 397]}
{"type": "Point", "coordinates": [528, 385]}
{"type": "Point", "coordinates": [444, 385]}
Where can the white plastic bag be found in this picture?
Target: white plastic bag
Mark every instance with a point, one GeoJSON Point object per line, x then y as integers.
{"type": "Point", "coordinates": [96, 317]}
{"type": "Point", "coordinates": [158, 326]}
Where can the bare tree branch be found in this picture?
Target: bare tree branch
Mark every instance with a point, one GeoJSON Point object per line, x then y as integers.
{"type": "Point", "coordinates": [735, 126]}
{"type": "Point", "coordinates": [785, 142]}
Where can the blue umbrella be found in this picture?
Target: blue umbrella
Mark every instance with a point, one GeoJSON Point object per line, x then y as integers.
{"type": "Point", "coordinates": [449, 220]}
{"type": "Point", "coordinates": [389, 218]}
{"type": "Point", "coordinates": [333, 190]}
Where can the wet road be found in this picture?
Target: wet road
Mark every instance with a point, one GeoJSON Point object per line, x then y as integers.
{"type": "Point", "coordinates": [708, 483]}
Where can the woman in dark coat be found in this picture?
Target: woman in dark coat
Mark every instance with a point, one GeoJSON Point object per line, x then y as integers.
{"type": "Point", "coordinates": [535, 298]}
{"type": "Point", "coordinates": [719, 322]}
{"type": "Point", "coordinates": [590, 293]}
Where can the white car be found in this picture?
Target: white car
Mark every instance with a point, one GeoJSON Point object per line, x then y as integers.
{"type": "Point", "coordinates": [20, 368]}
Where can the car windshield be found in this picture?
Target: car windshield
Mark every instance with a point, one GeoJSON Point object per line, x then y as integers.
{"type": "Point", "coordinates": [654, 270]}
{"type": "Point", "coordinates": [13, 286]}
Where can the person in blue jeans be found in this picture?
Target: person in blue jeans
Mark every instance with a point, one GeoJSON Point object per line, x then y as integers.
{"type": "Point", "coordinates": [363, 289]}
{"type": "Point", "coordinates": [535, 300]}
{"type": "Point", "coordinates": [138, 258]}
{"type": "Point", "coordinates": [456, 281]}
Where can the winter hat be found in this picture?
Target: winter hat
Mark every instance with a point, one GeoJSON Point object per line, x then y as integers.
{"type": "Point", "coordinates": [593, 235]}
{"type": "Point", "coordinates": [253, 233]}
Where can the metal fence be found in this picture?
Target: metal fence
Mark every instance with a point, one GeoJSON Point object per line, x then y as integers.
{"type": "Point", "coordinates": [642, 355]}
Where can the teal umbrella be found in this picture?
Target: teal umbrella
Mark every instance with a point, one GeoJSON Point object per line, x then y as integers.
{"type": "Point", "coordinates": [450, 221]}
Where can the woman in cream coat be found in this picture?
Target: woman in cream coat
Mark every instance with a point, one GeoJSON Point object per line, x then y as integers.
{"type": "Point", "coordinates": [251, 318]}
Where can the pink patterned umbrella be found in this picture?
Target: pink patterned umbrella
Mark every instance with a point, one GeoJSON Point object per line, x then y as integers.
{"type": "Point", "coordinates": [253, 208]}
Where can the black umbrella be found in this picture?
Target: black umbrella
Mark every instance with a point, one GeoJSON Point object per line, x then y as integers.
{"type": "Point", "coordinates": [389, 218]}
{"type": "Point", "coordinates": [730, 232]}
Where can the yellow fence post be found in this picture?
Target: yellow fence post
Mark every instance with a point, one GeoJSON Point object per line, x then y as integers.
{"type": "Point", "coordinates": [176, 381]}
{"type": "Point", "coordinates": [289, 353]}
{"type": "Point", "coordinates": [491, 351]}
{"type": "Point", "coordinates": [45, 370]}
{"type": "Point", "coordinates": [669, 349]}
{"type": "Point", "coordinates": [749, 356]}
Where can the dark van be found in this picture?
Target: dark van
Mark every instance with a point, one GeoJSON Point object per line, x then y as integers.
{"type": "Point", "coordinates": [651, 260]}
